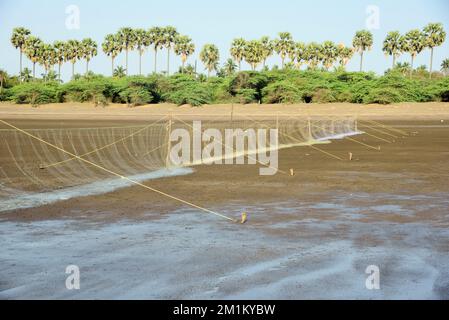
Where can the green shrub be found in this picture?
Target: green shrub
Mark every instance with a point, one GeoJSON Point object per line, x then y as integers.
{"type": "Point", "coordinates": [136, 96]}
{"type": "Point", "coordinates": [194, 94]}
{"type": "Point", "coordinates": [281, 92]}
{"type": "Point", "coordinates": [35, 93]}
{"type": "Point", "coordinates": [383, 96]}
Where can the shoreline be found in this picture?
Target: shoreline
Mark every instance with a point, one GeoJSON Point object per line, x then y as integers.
{"type": "Point", "coordinates": [85, 111]}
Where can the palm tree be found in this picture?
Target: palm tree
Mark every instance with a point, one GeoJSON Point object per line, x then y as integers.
{"type": "Point", "coordinates": [300, 57]}
{"type": "Point", "coordinates": [253, 53]}
{"type": "Point", "coordinates": [229, 67]}
{"type": "Point", "coordinates": [267, 49]}
{"type": "Point", "coordinates": [18, 39]}
{"type": "Point", "coordinates": [169, 35]}
{"type": "Point", "coordinates": [434, 36]}
{"type": "Point", "coordinates": [142, 41]}
{"type": "Point", "coordinates": [119, 72]}
{"type": "Point", "coordinates": [184, 47]}
{"type": "Point", "coordinates": [284, 46]}
{"type": "Point", "coordinates": [3, 78]}
{"type": "Point", "coordinates": [363, 40]}
{"type": "Point", "coordinates": [210, 56]}
{"type": "Point", "coordinates": [329, 54]}
{"type": "Point", "coordinates": [392, 45]}
{"type": "Point", "coordinates": [74, 52]}
{"type": "Point", "coordinates": [413, 42]}
{"type": "Point", "coordinates": [127, 40]}
{"type": "Point", "coordinates": [89, 50]}
{"type": "Point", "coordinates": [313, 54]}
{"type": "Point", "coordinates": [445, 66]}
{"type": "Point", "coordinates": [32, 47]}
{"type": "Point", "coordinates": [47, 57]}
{"type": "Point", "coordinates": [26, 75]}
{"type": "Point", "coordinates": [238, 50]}
{"type": "Point", "coordinates": [60, 48]}
{"type": "Point", "coordinates": [112, 48]}
{"type": "Point", "coordinates": [344, 54]}
{"type": "Point", "coordinates": [156, 37]}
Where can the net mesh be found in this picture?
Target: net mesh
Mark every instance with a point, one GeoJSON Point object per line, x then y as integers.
{"type": "Point", "coordinates": [30, 165]}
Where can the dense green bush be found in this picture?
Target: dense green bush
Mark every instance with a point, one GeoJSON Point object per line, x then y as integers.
{"type": "Point", "coordinates": [35, 93]}
{"type": "Point", "coordinates": [270, 86]}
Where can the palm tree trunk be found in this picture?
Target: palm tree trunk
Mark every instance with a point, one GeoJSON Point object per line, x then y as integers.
{"type": "Point", "coordinates": [126, 61]}
{"type": "Point", "coordinates": [394, 61]}
{"type": "Point", "coordinates": [182, 69]}
{"type": "Point", "coordinates": [112, 65]}
{"type": "Point", "coordinates": [87, 67]}
{"type": "Point", "coordinates": [240, 65]}
{"type": "Point", "coordinates": [361, 61]}
{"type": "Point", "coordinates": [283, 59]}
{"type": "Point", "coordinates": [59, 72]}
{"type": "Point", "coordinates": [20, 61]}
{"type": "Point", "coordinates": [73, 70]}
{"type": "Point", "coordinates": [140, 62]}
{"type": "Point", "coordinates": [34, 70]}
{"type": "Point", "coordinates": [168, 61]}
{"type": "Point", "coordinates": [431, 62]}
{"type": "Point", "coordinates": [411, 66]}
{"type": "Point", "coordinates": [155, 59]}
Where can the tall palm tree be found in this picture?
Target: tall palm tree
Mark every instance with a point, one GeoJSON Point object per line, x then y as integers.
{"type": "Point", "coordinates": [445, 66]}
{"type": "Point", "coordinates": [363, 40]}
{"type": "Point", "coordinates": [434, 36]}
{"type": "Point", "coordinates": [238, 50]}
{"type": "Point", "coordinates": [127, 39]}
{"type": "Point", "coordinates": [112, 48]}
{"type": "Point", "coordinates": [184, 47]}
{"type": "Point", "coordinates": [253, 53]}
{"type": "Point", "coordinates": [313, 54]}
{"type": "Point", "coordinates": [413, 42]}
{"type": "Point", "coordinates": [47, 57]}
{"type": "Point", "coordinates": [142, 42]}
{"type": "Point", "coordinates": [329, 54]}
{"type": "Point", "coordinates": [32, 47]}
{"type": "Point", "coordinates": [74, 52]}
{"type": "Point", "coordinates": [300, 56]}
{"type": "Point", "coordinates": [392, 45]}
{"type": "Point", "coordinates": [229, 67]}
{"type": "Point", "coordinates": [267, 49]}
{"type": "Point", "coordinates": [18, 39]}
{"type": "Point", "coordinates": [60, 48]}
{"type": "Point", "coordinates": [210, 57]}
{"type": "Point", "coordinates": [344, 54]}
{"type": "Point", "coordinates": [156, 37]}
{"type": "Point", "coordinates": [89, 50]}
{"type": "Point", "coordinates": [284, 46]}
{"type": "Point", "coordinates": [169, 35]}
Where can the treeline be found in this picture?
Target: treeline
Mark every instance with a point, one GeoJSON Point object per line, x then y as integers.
{"type": "Point", "coordinates": [293, 54]}
{"type": "Point", "coordinates": [275, 86]}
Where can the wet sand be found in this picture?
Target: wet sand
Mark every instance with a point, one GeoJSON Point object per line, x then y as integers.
{"type": "Point", "coordinates": [308, 236]}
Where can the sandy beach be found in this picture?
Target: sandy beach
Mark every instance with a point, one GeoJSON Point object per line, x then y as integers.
{"type": "Point", "coordinates": [310, 235]}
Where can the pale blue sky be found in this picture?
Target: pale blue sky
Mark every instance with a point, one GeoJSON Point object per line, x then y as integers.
{"type": "Point", "coordinates": [219, 22]}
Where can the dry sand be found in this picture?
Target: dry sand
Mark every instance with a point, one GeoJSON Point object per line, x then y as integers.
{"type": "Point", "coordinates": [308, 236]}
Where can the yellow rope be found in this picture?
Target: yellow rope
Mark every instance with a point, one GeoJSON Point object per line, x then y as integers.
{"type": "Point", "coordinates": [387, 127]}
{"type": "Point", "coordinates": [117, 174]}
{"type": "Point", "coordinates": [378, 130]}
